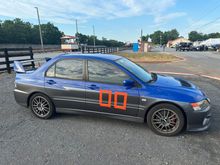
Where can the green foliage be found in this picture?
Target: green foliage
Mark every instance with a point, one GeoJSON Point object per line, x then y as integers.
{"type": "Point", "coordinates": [162, 37]}
{"type": "Point", "coordinates": [195, 36]}
{"type": "Point", "coordinates": [19, 32]}
{"type": "Point", "coordinates": [86, 39]}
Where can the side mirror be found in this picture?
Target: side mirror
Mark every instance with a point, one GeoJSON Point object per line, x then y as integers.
{"type": "Point", "coordinates": [128, 83]}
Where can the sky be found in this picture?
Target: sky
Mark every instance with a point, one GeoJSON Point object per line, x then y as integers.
{"type": "Point", "coordinates": [118, 19]}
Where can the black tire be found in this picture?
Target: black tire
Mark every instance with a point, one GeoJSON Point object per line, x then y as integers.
{"type": "Point", "coordinates": [44, 110]}
{"type": "Point", "coordinates": [165, 129]}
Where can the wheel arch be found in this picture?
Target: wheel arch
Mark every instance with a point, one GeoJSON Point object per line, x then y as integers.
{"type": "Point", "coordinates": [166, 102]}
{"type": "Point", "coordinates": [35, 92]}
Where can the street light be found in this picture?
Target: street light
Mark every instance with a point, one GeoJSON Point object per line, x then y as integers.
{"type": "Point", "coordinates": [41, 39]}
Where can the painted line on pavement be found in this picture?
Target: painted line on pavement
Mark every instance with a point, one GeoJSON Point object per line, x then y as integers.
{"type": "Point", "coordinates": [211, 77]}
{"type": "Point", "coordinates": [188, 74]}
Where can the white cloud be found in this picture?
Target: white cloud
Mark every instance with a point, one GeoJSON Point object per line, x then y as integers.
{"type": "Point", "coordinates": [159, 19]}
{"type": "Point", "coordinates": [64, 11]}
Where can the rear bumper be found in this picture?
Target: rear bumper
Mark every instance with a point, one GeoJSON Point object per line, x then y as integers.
{"type": "Point", "coordinates": [21, 97]}
{"type": "Point", "coordinates": [199, 120]}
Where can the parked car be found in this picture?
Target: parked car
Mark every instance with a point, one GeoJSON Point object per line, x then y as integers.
{"type": "Point", "coordinates": [214, 47]}
{"type": "Point", "coordinates": [200, 48]}
{"type": "Point", "coordinates": [184, 46]}
{"type": "Point", "coordinates": [112, 86]}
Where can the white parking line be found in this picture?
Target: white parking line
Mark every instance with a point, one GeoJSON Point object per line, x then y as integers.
{"type": "Point", "coordinates": [188, 74]}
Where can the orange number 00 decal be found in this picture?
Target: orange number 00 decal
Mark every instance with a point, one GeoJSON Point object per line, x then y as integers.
{"type": "Point", "coordinates": [116, 94]}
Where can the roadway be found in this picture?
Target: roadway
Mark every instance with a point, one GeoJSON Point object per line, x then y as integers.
{"type": "Point", "coordinates": [207, 63]}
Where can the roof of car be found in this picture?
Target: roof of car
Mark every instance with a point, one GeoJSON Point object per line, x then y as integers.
{"type": "Point", "coordinates": [93, 56]}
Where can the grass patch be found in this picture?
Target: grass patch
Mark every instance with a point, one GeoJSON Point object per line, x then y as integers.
{"type": "Point", "coordinates": [150, 57]}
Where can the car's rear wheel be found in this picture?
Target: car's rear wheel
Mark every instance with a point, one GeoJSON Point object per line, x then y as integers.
{"type": "Point", "coordinates": [41, 106]}
{"type": "Point", "coordinates": [165, 119]}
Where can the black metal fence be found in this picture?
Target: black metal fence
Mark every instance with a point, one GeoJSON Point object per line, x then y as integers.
{"type": "Point", "coordinates": [103, 50]}
{"type": "Point", "coordinates": [9, 55]}
{"type": "Point", "coordinates": [25, 55]}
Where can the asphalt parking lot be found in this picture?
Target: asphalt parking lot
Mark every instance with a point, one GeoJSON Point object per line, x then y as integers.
{"type": "Point", "coordinates": [75, 139]}
{"type": "Point", "coordinates": [195, 62]}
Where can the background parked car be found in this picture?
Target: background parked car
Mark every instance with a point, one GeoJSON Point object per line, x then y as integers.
{"type": "Point", "coordinates": [184, 46]}
{"type": "Point", "coordinates": [199, 48]}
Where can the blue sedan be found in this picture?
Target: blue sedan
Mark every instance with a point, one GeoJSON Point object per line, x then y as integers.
{"type": "Point", "coordinates": [112, 86]}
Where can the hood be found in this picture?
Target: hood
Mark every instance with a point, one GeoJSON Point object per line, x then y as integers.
{"type": "Point", "coordinates": [169, 81]}
{"type": "Point", "coordinates": [176, 89]}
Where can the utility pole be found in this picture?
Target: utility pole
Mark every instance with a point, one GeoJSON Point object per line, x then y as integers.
{"type": "Point", "coordinates": [41, 39]}
{"type": "Point", "coordinates": [76, 27]}
{"type": "Point", "coordinates": [160, 40]}
{"type": "Point", "coordinates": [141, 34]}
{"type": "Point", "coordinates": [93, 35]}
{"type": "Point", "coordinates": [77, 37]}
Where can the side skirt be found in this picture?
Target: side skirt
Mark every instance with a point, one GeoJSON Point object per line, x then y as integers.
{"type": "Point", "coordinates": [110, 115]}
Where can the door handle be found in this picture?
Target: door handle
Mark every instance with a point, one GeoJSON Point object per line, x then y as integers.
{"type": "Point", "coordinates": [51, 82]}
{"type": "Point", "coordinates": [93, 87]}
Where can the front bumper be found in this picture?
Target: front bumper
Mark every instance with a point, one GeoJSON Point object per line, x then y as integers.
{"type": "Point", "coordinates": [198, 120]}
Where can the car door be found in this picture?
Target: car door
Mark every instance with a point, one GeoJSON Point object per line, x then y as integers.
{"type": "Point", "coordinates": [105, 91]}
{"type": "Point", "coordinates": [64, 83]}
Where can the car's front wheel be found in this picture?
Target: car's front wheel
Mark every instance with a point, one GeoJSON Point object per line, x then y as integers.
{"type": "Point", "coordinates": [41, 106]}
{"type": "Point", "coordinates": [165, 119]}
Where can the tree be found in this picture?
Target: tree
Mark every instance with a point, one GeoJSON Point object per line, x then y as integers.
{"type": "Point", "coordinates": [195, 36]}
{"type": "Point", "coordinates": [86, 39]}
{"type": "Point", "coordinates": [159, 37]}
{"type": "Point", "coordinates": [214, 35]}
{"type": "Point", "coordinates": [145, 38]}
{"type": "Point", "coordinates": [51, 34]}
{"type": "Point", "coordinates": [156, 37]}
{"type": "Point", "coordinates": [18, 31]}
{"type": "Point", "coordinates": [171, 35]}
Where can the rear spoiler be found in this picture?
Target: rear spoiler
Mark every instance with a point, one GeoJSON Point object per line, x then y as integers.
{"type": "Point", "coordinates": [18, 67]}
{"type": "Point", "coordinates": [47, 59]}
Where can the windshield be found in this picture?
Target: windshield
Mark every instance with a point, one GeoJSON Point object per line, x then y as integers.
{"type": "Point", "coordinates": [135, 69]}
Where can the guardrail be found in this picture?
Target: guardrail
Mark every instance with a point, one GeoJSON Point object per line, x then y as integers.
{"type": "Point", "coordinates": [18, 54]}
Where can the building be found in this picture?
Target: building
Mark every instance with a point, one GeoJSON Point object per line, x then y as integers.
{"type": "Point", "coordinates": [176, 41]}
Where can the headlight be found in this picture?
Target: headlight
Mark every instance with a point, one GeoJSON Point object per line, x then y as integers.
{"type": "Point", "coordinates": [200, 105]}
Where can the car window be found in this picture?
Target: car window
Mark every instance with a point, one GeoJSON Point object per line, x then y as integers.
{"type": "Point", "coordinates": [51, 72]}
{"type": "Point", "coordinates": [105, 72]}
{"type": "Point", "coordinates": [135, 69]}
{"type": "Point", "coordinates": [68, 69]}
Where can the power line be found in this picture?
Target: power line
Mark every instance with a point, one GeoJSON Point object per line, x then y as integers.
{"type": "Point", "coordinates": [202, 17]}
{"type": "Point", "coordinates": [209, 23]}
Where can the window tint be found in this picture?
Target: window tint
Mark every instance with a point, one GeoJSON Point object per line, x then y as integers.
{"type": "Point", "coordinates": [105, 73]}
{"type": "Point", "coordinates": [70, 69]}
